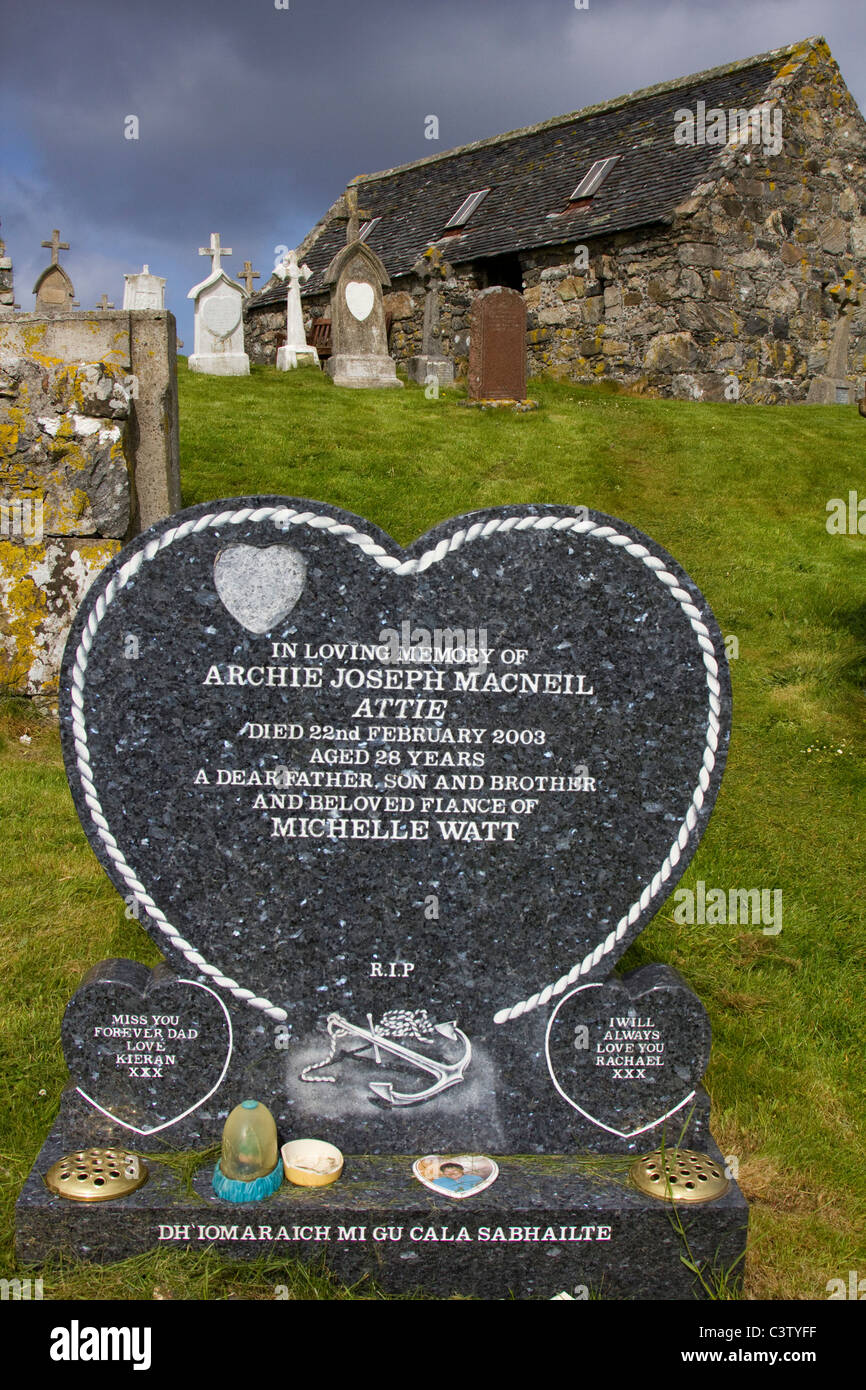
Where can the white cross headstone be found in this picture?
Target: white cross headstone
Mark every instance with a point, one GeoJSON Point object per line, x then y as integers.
{"type": "Point", "coordinates": [143, 290]}
{"type": "Point", "coordinates": [297, 351]}
{"type": "Point", "coordinates": [215, 251]}
{"type": "Point", "coordinates": [219, 327]}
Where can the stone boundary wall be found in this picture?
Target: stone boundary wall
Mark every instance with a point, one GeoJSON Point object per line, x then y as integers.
{"type": "Point", "coordinates": [89, 456]}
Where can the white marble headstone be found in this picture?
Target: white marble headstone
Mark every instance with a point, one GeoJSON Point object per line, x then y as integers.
{"type": "Point", "coordinates": [296, 351]}
{"type": "Point", "coordinates": [143, 290]}
{"type": "Point", "coordinates": [219, 327]}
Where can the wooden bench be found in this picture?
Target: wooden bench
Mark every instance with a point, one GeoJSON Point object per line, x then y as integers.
{"type": "Point", "coordinates": [320, 337]}
{"type": "Point", "coordinates": [320, 334]}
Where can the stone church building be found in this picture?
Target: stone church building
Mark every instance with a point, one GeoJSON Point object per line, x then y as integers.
{"type": "Point", "coordinates": [705, 238]}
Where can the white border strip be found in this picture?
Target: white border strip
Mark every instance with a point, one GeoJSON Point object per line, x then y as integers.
{"type": "Point", "coordinates": [283, 517]}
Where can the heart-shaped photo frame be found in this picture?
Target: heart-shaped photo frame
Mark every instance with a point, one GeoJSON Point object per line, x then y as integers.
{"type": "Point", "coordinates": [343, 802]}
{"type": "Point", "coordinates": [456, 1176]}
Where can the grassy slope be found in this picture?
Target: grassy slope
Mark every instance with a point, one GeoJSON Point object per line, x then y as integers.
{"type": "Point", "coordinates": [738, 494]}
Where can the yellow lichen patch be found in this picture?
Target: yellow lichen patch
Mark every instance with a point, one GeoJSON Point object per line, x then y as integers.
{"type": "Point", "coordinates": [8, 439]}
{"type": "Point", "coordinates": [41, 587]}
{"type": "Point", "coordinates": [32, 334]}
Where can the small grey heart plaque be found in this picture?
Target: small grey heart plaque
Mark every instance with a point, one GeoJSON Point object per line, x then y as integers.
{"type": "Point", "coordinates": [259, 587]}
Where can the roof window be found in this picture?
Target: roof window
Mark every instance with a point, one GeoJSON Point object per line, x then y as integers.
{"type": "Point", "coordinates": [466, 208]}
{"type": "Point", "coordinates": [594, 178]}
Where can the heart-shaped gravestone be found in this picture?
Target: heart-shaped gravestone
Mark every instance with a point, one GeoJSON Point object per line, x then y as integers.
{"type": "Point", "coordinates": [259, 587]}
{"type": "Point", "coordinates": [143, 1047]}
{"type": "Point", "coordinates": [630, 1053]}
{"type": "Point", "coordinates": [454, 781]}
{"type": "Point", "coordinates": [360, 298]}
{"type": "Point", "coordinates": [222, 314]}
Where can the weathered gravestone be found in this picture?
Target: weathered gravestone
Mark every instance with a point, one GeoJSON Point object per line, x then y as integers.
{"type": "Point", "coordinates": [248, 275]}
{"type": "Point", "coordinates": [359, 337]}
{"type": "Point", "coordinates": [497, 346]}
{"type": "Point", "coordinates": [143, 290]}
{"type": "Point", "coordinates": [219, 330]}
{"type": "Point", "coordinates": [392, 817]}
{"type": "Point", "coordinates": [53, 288]}
{"type": "Point", "coordinates": [432, 365]}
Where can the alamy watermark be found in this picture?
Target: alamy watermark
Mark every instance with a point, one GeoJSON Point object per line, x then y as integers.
{"type": "Point", "coordinates": [20, 1289]}
{"type": "Point", "coordinates": [855, 1288]}
{"type": "Point", "coordinates": [455, 646]}
{"type": "Point", "coordinates": [846, 518]}
{"type": "Point", "coordinates": [762, 127]}
{"type": "Point", "coordinates": [22, 517]}
{"type": "Point", "coordinates": [77, 1343]}
{"type": "Point", "coordinates": [716, 907]}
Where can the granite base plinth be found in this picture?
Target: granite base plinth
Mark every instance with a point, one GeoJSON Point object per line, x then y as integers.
{"type": "Point", "coordinates": [220, 364]}
{"type": "Point", "coordinates": [362, 370]}
{"type": "Point", "coordinates": [426, 368]}
{"type": "Point", "coordinates": [565, 1224]}
{"type": "Point", "coordinates": [499, 403]}
{"type": "Point", "coordinates": [288, 358]}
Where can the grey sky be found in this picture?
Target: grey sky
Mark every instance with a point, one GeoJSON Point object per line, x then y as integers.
{"type": "Point", "coordinates": [253, 118]}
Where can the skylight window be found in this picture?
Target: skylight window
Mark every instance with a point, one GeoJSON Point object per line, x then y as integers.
{"type": "Point", "coordinates": [466, 208]}
{"type": "Point", "coordinates": [592, 181]}
{"type": "Point", "coordinates": [368, 227]}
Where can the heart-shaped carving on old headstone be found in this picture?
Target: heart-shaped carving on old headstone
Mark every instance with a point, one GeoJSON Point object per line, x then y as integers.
{"type": "Point", "coordinates": [259, 587]}
{"type": "Point", "coordinates": [222, 314]}
{"type": "Point", "coordinates": [630, 1053]}
{"type": "Point", "coordinates": [143, 1047]}
{"type": "Point", "coordinates": [360, 298]}
{"type": "Point", "coordinates": [454, 780]}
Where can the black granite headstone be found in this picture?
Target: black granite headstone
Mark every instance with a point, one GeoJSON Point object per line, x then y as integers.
{"type": "Point", "coordinates": [392, 816]}
{"type": "Point", "coordinates": [393, 806]}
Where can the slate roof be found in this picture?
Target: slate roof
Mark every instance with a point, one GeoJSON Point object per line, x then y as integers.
{"type": "Point", "coordinates": [532, 172]}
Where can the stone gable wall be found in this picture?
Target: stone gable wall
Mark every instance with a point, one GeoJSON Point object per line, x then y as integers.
{"type": "Point", "coordinates": [749, 283]}
{"type": "Point", "coordinates": [743, 296]}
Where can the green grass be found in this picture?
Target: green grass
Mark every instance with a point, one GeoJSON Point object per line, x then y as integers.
{"type": "Point", "coordinates": [738, 494]}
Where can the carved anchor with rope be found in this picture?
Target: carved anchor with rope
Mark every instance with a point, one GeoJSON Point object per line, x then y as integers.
{"type": "Point", "coordinates": [446, 1073]}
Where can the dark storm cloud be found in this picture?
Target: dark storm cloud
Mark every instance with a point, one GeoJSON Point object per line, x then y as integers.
{"type": "Point", "coordinates": [252, 119]}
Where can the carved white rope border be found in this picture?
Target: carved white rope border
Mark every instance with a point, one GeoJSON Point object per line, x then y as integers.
{"type": "Point", "coordinates": [283, 517]}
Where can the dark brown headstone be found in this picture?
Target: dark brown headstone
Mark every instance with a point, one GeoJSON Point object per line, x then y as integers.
{"type": "Point", "coordinates": [497, 346]}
